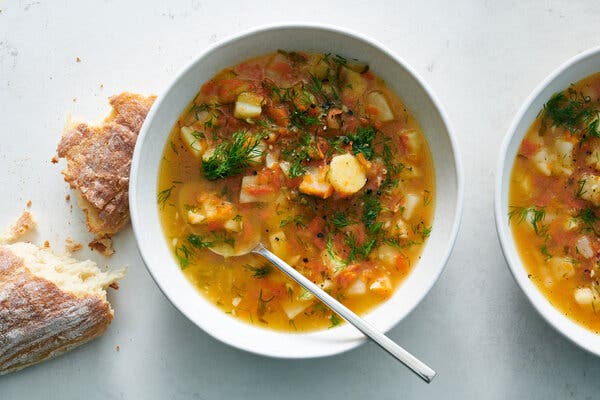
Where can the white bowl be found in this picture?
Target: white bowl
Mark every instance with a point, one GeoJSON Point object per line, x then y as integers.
{"type": "Point", "coordinates": [573, 70]}
{"type": "Point", "coordinates": [151, 142]}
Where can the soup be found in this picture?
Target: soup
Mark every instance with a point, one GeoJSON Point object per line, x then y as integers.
{"type": "Point", "coordinates": [313, 155]}
{"type": "Point", "coordinates": [554, 201]}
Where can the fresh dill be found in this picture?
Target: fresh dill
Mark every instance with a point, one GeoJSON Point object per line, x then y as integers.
{"type": "Point", "coordinates": [298, 220]}
{"type": "Point", "coordinates": [534, 215]}
{"type": "Point", "coordinates": [334, 320]}
{"type": "Point", "coordinates": [198, 242]}
{"type": "Point", "coordinates": [573, 111]}
{"type": "Point", "coordinates": [233, 156]}
{"type": "Point", "coordinates": [339, 219]}
{"type": "Point", "coordinates": [589, 218]}
{"type": "Point", "coordinates": [259, 272]}
{"type": "Point", "coordinates": [362, 141]}
{"type": "Point", "coordinates": [164, 195]}
{"type": "Point", "coordinates": [183, 255]}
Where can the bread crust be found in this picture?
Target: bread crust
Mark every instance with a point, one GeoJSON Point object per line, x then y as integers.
{"type": "Point", "coordinates": [38, 320]}
{"type": "Point", "coordinates": [99, 159]}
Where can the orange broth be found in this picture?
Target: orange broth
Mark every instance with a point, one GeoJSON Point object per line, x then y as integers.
{"type": "Point", "coordinates": [316, 156]}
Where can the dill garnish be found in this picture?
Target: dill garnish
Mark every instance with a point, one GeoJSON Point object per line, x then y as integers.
{"type": "Point", "coordinates": [232, 157]}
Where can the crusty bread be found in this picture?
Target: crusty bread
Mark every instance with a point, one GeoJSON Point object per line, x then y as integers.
{"type": "Point", "coordinates": [99, 159]}
{"type": "Point", "coordinates": [49, 303]}
{"type": "Point", "coordinates": [24, 224]}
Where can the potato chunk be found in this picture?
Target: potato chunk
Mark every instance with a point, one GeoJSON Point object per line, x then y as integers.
{"type": "Point", "coordinates": [248, 106]}
{"type": "Point", "coordinates": [346, 174]}
{"type": "Point", "coordinates": [315, 183]}
{"type": "Point", "coordinates": [378, 102]}
{"type": "Point", "coordinates": [590, 188]}
{"type": "Point", "coordinates": [191, 141]}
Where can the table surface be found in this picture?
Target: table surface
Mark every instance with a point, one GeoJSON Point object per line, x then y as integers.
{"type": "Point", "coordinates": [475, 327]}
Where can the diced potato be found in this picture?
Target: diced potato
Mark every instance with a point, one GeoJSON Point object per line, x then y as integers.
{"type": "Point", "coordinates": [247, 195]}
{"type": "Point", "coordinates": [270, 160]}
{"type": "Point", "coordinates": [590, 188]}
{"type": "Point", "coordinates": [236, 301]}
{"type": "Point", "coordinates": [564, 151]}
{"type": "Point", "coordinates": [194, 217]}
{"type": "Point", "coordinates": [410, 204]}
{"type": "Point", "coordinates": [191, 142]}
{"type": "Point", "coordinates": [314, 182]}
{"type": "Point", "coordinates": [208, 154]}
{"type": "Point", "coordinates": [294, 308]}
{"type": "Point", "coordinates": [400, 228]}
{"type": "Point", "coordinates": [542, 161]}
{"type": "Point", "coordinates": [319, 70]}
{"type": "Point", "coordinates": [413, 141]}
{"type": "Point", "coordinates": [233, 225]}
{"type": "Point", "coordinates": [379, 102]}
{"type": "Point", "coordinates": [279, 244]}
{"type": "Point", "coordinates": [584, 296]}
{"type": "Point", "coordinates": [386, 254]}
{"type": "Point", "coordinates": [593, 160]}
{"type": "Point", "coordinates": [334, 264]}
{"type": "Point", "coordinates": [381, 286]}
{"type": "Point", "coordinates": [357, 288]}
{"type": "Point", "coordinates": [355, 83]}
{"type": "Point", "coordinates": [561, 267]}
{"type": "Point", "coordinates": [584, 247]}
{"type": "Point", "coordinates": [571, 224]}
{"type": "Point", "coordinates": [346, 174]}
{"type": "Point", "coordinates": [285, 168]}
{"type": "Point", "coordinates": [248, 106]}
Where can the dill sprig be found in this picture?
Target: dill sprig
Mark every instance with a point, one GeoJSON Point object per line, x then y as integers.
{"type": "Point", "coordinates": [259, 272]}
{"type": "Point", "coordinates": [232, 157]}
{"type": "Point", "coordinates": [573, 111]}
{"type": "Point", "coordinates": [534, 215]}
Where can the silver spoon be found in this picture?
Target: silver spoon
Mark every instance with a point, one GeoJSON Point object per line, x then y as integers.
{"type": "Point", "coordinates": [416, 365]}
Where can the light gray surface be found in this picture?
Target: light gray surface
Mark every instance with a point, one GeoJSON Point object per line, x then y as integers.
{"type": "Point", "coordinates": [475, 327]}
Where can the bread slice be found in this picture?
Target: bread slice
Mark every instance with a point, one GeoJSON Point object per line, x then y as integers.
{"type": "Point", "coordinates": [49, 304]}
{"type": "Point", "coordinates": [99, 159]}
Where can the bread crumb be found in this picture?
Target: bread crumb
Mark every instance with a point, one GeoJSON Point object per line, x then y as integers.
{"type": "Point", "coordinates": [101, 86]}
{"type": "Point", "coordinates": [74, 99]}
{"type": "Point", "coordinates": [72, 246]}
{"type": "Point", "coordinates": [28, 203]}
{"type": "Point", "coordinates": [103, 246]}
{"type": "Point", "coordinates": [24, 224]}
{"type": "Point", "coordinates": [54, 159]}
{"type": "Point", "coordinates": [68, 197]}
{"type": "Point", "coordinates": [118, 348]}
{"type": "Point", "coordinates": [77, 59]}
{"type": "Point", "coordinates": [46, 244]}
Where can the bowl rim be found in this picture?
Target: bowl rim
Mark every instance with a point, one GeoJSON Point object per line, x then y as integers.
{"type": "Point", "coordinates": [458, 210]}
{"type": "Point", "coordinates": [558, 320]}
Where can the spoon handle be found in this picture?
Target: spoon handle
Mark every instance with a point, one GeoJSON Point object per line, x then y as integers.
{"type": "Point", "coordinates": [417, 366]}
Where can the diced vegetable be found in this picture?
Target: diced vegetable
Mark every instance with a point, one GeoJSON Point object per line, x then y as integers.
{"type": "Point", "coordinates": [314, 182]}
{"type": "Point", "coordinates": [590, 188]}
{"type": "Point", "coordinates": [346, 174]}
{"type": "Point", "coordinates": [358, 288]}
{"type": "Point", "coordinates": [248, 106]}
{"type": "Point", "coordinates": [294, 308]}
{"type": "Point", "coordinates": [584, 247]}
{"type": "Point", "coordinates": [542, 161]}
{"type": "Point", "coordinates": [561, 267]}
{"type": "Point", "coordinates": [410, 204]}
{"type": "Point", "coordinates": [279, 244]}
{"type": "Point", "coordinates": [381, 286]}
{"type": "Point", "coordinates": [584, 296]}
{"type": "Point", "coordinates": [253, 192]}
{"type": "Point", "coordinates": [355, 83]}
{"type": "Point", "coordinates": [378, 102]}
{"type": "Point", "coordinates": [192, 141]}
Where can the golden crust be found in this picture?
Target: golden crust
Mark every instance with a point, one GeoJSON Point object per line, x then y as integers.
{"type": "Point", "coordinates": [99, 160]}
{"type": "Point", "coordinates": [23, 225]}
{"type": "Point", "coordinates": [38, 320]}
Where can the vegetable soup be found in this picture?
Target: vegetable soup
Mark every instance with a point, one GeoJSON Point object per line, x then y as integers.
{"type": "Point", "coordinates": [316, 157]}
{"type": "Point", "coordinates": [555, 198]}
